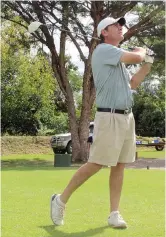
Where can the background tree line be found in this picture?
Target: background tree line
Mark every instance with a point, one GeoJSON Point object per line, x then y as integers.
{"type": "Point", "coordinates": [146, 28]}
{"type": "Point", "coordinates": [32, 102]}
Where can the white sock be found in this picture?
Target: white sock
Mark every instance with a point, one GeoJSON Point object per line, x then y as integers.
{"type": "Point", "coordinates": [59, 201]}
{"type": "Point", "coordinates": [113, 212]}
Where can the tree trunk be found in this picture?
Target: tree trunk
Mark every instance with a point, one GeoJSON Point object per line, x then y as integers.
{"type": "Point", "coordinates": [73, 126]}
{"type": "Point", "coordinates": [87, 103]}
{"type": "Point", "coordinates": [67, 91]}
{"type": "Point", "coordinates": [88, 86]}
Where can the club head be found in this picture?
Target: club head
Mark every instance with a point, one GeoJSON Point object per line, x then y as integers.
{"type": "Point", "coordinates": [34, 26]}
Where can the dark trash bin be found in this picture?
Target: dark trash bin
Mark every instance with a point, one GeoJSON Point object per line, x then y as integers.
{"type": "Point", "coordinates": [62, 160]}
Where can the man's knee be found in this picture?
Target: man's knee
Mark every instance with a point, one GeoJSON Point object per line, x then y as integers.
{"type": "Point", "coordinates": [121, 165]}
{"type": "Point", "coordinates": [92, 167]}
{"type": "Point", "coordinates": [118, 167]}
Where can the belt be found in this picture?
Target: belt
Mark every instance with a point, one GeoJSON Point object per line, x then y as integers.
{"type": "Point", "coordinates": [116, 111]}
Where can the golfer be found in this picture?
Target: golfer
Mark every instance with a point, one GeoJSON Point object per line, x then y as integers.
{"type": "Point", "coordinates": [114, 141]}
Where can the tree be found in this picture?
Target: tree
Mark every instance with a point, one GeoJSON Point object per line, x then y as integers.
{"type": "Point", "coordinates": [25, 111]}
{"type": "Point", "coordinates": [27, 86]}
{"type": "Point", "coordinates": [149, 110]}
{"type": "Point", "coordinates": [67, 15]}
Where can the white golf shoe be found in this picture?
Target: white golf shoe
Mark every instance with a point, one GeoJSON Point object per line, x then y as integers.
{"type": "Point", "coordinates": [57, 210]}
{"type": "Point", "coordinates": [115, 220]}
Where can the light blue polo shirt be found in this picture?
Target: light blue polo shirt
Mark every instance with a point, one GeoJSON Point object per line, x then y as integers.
{"type": "Point", "coordinates": [111, 78]}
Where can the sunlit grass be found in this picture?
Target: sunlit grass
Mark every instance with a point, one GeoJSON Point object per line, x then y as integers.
{"type": "Point", "coordinates": [26, 192]}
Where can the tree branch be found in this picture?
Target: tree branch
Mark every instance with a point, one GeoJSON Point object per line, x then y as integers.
{"type": "Point", "coordinates": [83, 58]}
{"type": "Point", "coordinates": [23, 10]}
{"type": "Point", "coordinates": [137, 28]}
{"type": "Point", "coordinates": [14, 7]}
{"type": "Point", "coordinates": [18, 23]}
{"type": "Point", "coordinates": [51, 46]}
{"type": "Point", "coordinates": [127, 8]}
{"type": "Point", "coordinates": [36, 35]}
{"type": "Point", "coordinates": [63, 39]}
{"type": "Point", "coordinates": [120, 11]}
{"type": "Point", "coordinates": [86, 41]}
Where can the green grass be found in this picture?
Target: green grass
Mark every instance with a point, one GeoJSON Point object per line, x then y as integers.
{"type": "Point", "coordinates": [151, 154]}
{"type": "Point", "coordinates": [26, 191]}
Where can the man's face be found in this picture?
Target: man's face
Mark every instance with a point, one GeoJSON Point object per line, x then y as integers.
{"type": "Point", "coordinates": [114, 32]}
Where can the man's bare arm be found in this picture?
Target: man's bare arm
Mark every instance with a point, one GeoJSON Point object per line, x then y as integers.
{"type": "Point", "coordinates": [140, 75]}
{"type": "Point", "coordinates": [134, 57]}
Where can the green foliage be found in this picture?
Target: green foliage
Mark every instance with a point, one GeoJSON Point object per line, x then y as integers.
{"type": "Point", "coordinates": [15, 35]}
{"type": "Point", "coordinates": [149, 110]}
{"type": "Point", "coordinates": [31, 99]}
{"type": "Point", "coordinates": [75, 81]}
{"type": "Point", "coordinates": [152, 36]}
{"type": "Point", "coordinates": [58, 123]}
{"type": "Point", "coordinates": [27, 88]}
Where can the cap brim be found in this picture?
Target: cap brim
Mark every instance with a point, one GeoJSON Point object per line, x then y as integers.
{"type": "Point", "coordinates": [121, 21]}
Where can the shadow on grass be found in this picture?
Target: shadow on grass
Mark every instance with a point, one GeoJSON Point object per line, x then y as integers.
{"type": "Point", "coordinates": [26, 162]}
{"type": "Point", "coordinates": [43, 164]}
{"type": "Point", "coordinates": [32, 164]}
{"type": "Point", "coordinates": [53, 231]}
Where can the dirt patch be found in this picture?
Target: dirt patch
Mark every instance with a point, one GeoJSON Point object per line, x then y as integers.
{"type": "Point", "coordinates": [148, 163]}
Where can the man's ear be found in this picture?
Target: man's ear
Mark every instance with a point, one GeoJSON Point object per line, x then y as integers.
{"type": "Point", "coordinates": [104, 33]}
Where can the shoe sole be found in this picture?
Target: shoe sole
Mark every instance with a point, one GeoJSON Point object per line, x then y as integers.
{"type": "Point", "coordinates": [118, 227]}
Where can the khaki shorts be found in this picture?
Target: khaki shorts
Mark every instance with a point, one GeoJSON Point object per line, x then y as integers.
{"type": "Point", "coordinates": [114, 139]}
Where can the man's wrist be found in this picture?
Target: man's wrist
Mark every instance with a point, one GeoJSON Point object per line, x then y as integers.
{"type": "Point", "coordinates": [146, 67]}
{"type": "Point", "coordinates": [148, 59]}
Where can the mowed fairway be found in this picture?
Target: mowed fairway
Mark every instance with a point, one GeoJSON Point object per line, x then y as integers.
{"type": "Point", "coordinates": [26, 195]}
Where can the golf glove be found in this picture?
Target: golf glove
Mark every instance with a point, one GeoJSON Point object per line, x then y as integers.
{"type": "Point", "coordinates": [149, 57]}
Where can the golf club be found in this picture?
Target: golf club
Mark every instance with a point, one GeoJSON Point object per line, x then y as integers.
{"type": "Point", "coordinates": [34, 26]}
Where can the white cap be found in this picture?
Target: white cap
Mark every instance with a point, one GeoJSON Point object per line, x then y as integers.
{"type": "Point", "coordinates": [109, 21]}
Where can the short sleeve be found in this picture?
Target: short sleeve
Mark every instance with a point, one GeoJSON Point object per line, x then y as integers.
{"type": "Point", "coordinates": [112, 54]}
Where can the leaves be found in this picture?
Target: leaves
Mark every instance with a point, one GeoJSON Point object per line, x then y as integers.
{"type": "Point", "coordinates": [27, 86]}
{"type": "Point", "coordinates": [149, 110]}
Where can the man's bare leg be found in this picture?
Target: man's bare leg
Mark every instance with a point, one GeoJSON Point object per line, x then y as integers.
{"type": "Point", "coordinates": [116, 182]}
{"type": "Point", "coordinates": [83, 174]}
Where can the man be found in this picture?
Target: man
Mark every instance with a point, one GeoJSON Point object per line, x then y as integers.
{"type": "Point", "coordinates": [114, 126]}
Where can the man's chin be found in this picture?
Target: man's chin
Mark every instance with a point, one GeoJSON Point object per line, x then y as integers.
{"type": "Point", "coordinates": [121, 38]}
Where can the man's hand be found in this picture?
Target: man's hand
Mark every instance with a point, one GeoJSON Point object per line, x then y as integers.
{"type": "Point", "coordinates": [149, 57]}
{"type": "Point", "coordinates": [149, 54]}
